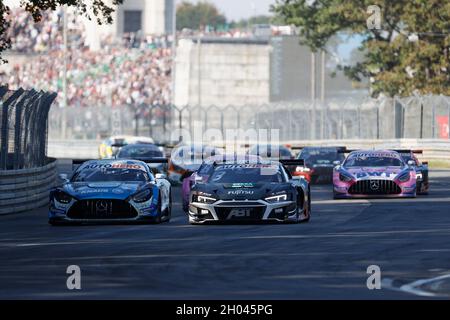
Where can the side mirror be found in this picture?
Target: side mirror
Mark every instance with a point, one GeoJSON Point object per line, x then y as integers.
{"type": "Point", "coordinates": [411, 163]}
{"type": "Point", "coordinates": [198, 179]}
{"type": "Point", "coordinates": [336, 163]}
{"type": "Point", "coordinates": [64, 177]}
{"type": "Point", "coordinates": [160, 176]}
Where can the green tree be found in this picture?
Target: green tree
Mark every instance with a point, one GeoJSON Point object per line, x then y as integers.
{"type": "Point", "coordinates": [195, 16]}
{"type": "Point", "coordinates": [409, 53]}
{"type": "Point", "coordinates": [98, 9]}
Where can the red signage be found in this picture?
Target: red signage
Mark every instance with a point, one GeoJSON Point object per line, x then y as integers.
{"type": "Point", "coordinates": [443, 127]}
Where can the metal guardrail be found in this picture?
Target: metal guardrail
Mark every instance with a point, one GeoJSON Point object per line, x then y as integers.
{"type": "Point", "coordinates": [23, 128]}
{"type": "Point", "coordinates": [434, 149]}
{"type": "Point", "coordinates": [417, 117]}
{"type": "Point", "coordinates": [26, 189]}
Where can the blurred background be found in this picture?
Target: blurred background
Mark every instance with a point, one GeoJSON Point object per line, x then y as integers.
{"type": "Point", "coordinates": [165, 64]}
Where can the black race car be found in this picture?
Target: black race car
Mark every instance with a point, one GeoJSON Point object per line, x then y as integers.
{"type": "Point", "coordinates": [319, 162]}
{"type": "Point", "coordinates": [242, 191]}
{"type": "Point", "coordinates": [423, 183]}
{"type": "Point", "coordinates": [144, 152]}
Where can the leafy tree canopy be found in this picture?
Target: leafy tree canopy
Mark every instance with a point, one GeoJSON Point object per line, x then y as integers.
{"type": "Point", "coordinates": [408, 54]}
{"type": "Point", "coordinates": [195, 16]}
{"type": "Point", "coordinates": [99, 9]}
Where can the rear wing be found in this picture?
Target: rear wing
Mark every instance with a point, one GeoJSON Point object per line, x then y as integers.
{"type": "Point", "coordinates": [154, 160]}
{"type": "Point", "coordinates": [338, 148]}
{"type": "Point", "coordinates": [408, 151]}
{"type": "Point", "coordinates": [345, 150]}
{"type": "Point", "coordinates": [292, 162]}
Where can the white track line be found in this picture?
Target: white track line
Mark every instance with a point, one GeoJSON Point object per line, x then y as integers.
{"type": "Point", "coordinates": [414, 287]}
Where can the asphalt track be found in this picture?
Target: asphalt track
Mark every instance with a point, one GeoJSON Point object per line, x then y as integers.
{"type": "Point", "coordinates": [324, 259]}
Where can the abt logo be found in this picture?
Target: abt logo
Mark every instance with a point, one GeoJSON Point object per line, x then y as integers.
{"type": "Point", "coordinates": [239, 213]}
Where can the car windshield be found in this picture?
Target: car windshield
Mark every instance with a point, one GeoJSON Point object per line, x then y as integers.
{"type": "Point", "coordinates": [139, 152]}
{"type": "Point", "coordinates": [373, 161]}
{"type": "Point", "coordinates": [270, 151]}
{"type": "Point", "coordinates": [321, 155]}
{"type": "Point", "coordinates": [111, 175]}
{"type": "Point", "coordinates": [246, 173]}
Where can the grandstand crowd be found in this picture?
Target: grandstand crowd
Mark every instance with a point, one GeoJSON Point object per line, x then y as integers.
{"type": "Point", "coordinates": [132, 70]}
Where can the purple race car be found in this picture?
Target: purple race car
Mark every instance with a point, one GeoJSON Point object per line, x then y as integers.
{"type": "Point", "coordinates": [205, 169]}
{"type": "Point", "coordinates": [372, 174]}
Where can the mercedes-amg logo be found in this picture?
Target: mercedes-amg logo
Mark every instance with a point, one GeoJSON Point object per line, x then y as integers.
{"type": "Point", "coordinates": [101, 206]}
{"type": "Point", "coordinates": [374, 185]}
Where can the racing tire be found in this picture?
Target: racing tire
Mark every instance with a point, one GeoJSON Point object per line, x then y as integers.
{"type": "Point", "coordinates": [419, 189]}
{"type": "Point", "coordinates": [168, 212]}
{"type": "Point", "coordinates": [309, 208]}
{"type": "Point", "coordinates": [158, 218]}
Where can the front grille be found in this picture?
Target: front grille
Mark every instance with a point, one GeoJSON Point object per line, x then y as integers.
{"type": "Point", "coordinates": [375, 187]}
{"type": "Point", "coordinates": [245, 212]}
{"type": "Point", "coordinates": [102, 209]}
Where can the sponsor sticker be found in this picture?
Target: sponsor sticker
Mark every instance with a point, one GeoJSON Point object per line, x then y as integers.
{"type": "Point", "coordinates": [119, 165]}
{"type": "Point", "coordinates": [375, 155]}
{"type": "Point", "coordinates": [241, 192]}
{"type": "Point", "coordinates": [90, 191]}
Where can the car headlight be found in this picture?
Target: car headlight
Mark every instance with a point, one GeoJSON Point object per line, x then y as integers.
{"type": "Point", "coordinates": [404, 177]}
{"type": "Point", "coordinates": [345, 178]}
{"type": "Point", "coordinates": [62, 197]}
{"type": "Point", "coordinates": [143, 196]}
{"type": "Point", "coordinates": [277, 198]}
{"type": "Point", "coordinates": [203, 199]}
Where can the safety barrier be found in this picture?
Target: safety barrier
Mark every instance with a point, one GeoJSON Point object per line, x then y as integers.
{"type": "Point", "coordinates": [434, 149]}
{"type": "Point", "coordinates": [26, 189]}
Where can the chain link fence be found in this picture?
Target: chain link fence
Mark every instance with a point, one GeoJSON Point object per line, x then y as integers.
{"type": "Point", "coordinates": [421, 117]}
{"type": "Point", "coordinates": [23, 128]}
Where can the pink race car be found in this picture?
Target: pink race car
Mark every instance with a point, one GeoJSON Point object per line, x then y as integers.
{"type": "Point", "coordinates": [374, 173]}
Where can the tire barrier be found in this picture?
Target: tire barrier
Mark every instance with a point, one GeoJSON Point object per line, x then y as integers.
{"type": "Point", "coordinates": [26, 189]}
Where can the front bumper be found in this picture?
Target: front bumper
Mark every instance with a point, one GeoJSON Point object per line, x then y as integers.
{"type": "Point", "coordinates": [244, 211]}
{"type": "Point", "coordinates": [87, 211]}
{"type": "Point", "coordinates": [342, 192]}
{"type": "Point", "coordinates": [68, 221]}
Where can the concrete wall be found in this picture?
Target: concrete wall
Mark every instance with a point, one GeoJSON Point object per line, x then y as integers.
{"type": "Point", "coordinates": [155, 14]}
{"type": "Point", "coordinates": [222, 73]}
{"type": "Point", "coordinates": [291, 73]}
{"type": "Point", "coordinates": [252, 71]}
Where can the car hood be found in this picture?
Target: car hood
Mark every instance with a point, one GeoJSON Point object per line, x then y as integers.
{"type": "Point", "coordinates": [242, 191]}
{"type": "Point", "coordinates": [102, 190]}
{"type": "Point", "coordinates": [369, 173]}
